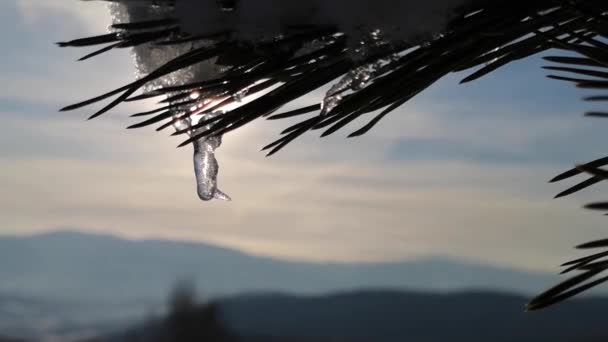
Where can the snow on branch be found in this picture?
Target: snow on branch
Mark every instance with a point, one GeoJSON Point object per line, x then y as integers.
{"type": "Point", "coordinates": [403, 20]}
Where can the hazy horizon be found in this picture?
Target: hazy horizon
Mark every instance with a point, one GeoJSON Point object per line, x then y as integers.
{"type": "Point", "coordinates": [58, 265]}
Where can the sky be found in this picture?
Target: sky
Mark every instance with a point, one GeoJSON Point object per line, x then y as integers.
{"type": "Point", "coordinates": [461, 171]}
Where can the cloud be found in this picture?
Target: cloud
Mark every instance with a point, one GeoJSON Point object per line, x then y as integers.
{"type": "Point", "coordinates": [314, 211]}
{"type": "Point", "coordinates": [88, 16]}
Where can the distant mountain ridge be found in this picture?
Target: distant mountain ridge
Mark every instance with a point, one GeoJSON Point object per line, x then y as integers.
{"type": "Point", "coordinates": [395, 316]}
{"type": "Point", "coordinates": [358, 316]}
{"type": "Point", "coordinates": [70, 282]}
{"type": "Point", "coordinates": [72, 265]}
{"type": "Point", "coordinates": [387, 316]}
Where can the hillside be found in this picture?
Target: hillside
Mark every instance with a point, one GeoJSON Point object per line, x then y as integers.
{"type": "Point", "coordinates": [97, 267]}
{"type": "Point", "coordinates": [380, 316]}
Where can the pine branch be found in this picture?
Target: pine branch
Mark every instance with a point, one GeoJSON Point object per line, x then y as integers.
{"type": "Point", "coordinates": [481, 38]}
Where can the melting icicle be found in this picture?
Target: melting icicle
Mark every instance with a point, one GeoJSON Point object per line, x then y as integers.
{"type": "Point", "coordinates": [206, 166]}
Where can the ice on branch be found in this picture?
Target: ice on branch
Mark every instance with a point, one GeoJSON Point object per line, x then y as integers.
{"type": "Point", "coordinates": [150, 57]}
{"type": "Point", "coordinates": [251, 58]}
{"type": "Point", "coordinates": [206, 166]}
{"type": "Point", "coordinates": [370, 28]}
{"type": "Point", "coordinates": [354, 80]}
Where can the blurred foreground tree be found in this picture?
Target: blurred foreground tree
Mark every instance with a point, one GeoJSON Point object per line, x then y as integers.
{"type": "Point", "coordinates": [188, 319]}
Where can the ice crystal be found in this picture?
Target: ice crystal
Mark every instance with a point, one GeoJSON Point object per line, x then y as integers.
{"type": "Point", "coordinates": [354, 80]}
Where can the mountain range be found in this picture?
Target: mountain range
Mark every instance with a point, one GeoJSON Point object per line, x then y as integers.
{"type": "Point", "coordinates": [471, 316]}
{"type": "Point", "coordinates": [76, 284]}
{"type": "Point", "coordinates": [387, 316]}
{"type": "Point", "coordinates": [76, 266]}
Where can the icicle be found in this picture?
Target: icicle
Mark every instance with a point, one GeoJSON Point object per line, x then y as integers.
{"type": "Point", "coordinates": [206, 166]}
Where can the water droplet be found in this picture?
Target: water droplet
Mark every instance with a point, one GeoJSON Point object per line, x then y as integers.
{"type": "Point", "coordinates": [240, 95]}
{"type": "Point", "coordinates": [195, 95]}
{"type": "Point", "coordinates": [227, 5]}
{"type": "Point", "coordinates": [181, 124]}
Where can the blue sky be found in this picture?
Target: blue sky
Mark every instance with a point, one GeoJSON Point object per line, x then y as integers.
{"type": "Point", "coordinates": [460, 171]}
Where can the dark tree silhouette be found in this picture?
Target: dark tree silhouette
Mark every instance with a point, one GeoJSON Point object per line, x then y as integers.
{"type": "Point", "coordinates": [188, 320]}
